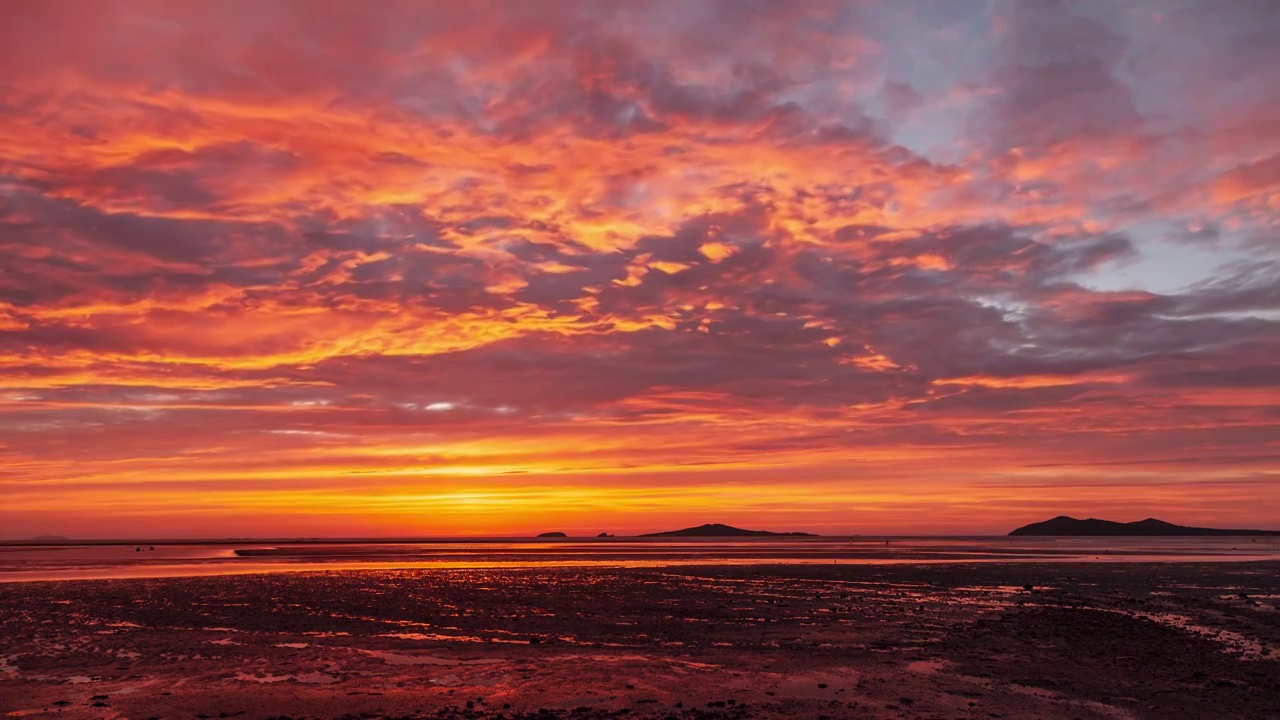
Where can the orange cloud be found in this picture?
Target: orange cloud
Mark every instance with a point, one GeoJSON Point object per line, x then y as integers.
{"type": "Point", "coordinates": [474, 268]}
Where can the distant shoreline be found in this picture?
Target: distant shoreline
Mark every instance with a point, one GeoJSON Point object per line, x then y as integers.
{"type": "Point", "coordinates": [523, 539]}
{"type": "Point", "coordinates": [1065, 526]}
{"type": "Point", "coordinates": [446, 539]}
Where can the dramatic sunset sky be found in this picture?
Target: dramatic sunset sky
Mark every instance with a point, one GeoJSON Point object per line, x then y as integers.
{"type": "Point", "coordinates": [423, 268]}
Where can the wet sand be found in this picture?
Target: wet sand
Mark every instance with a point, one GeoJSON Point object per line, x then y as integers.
{"type": "Point", "coordinates": [1087, 640]}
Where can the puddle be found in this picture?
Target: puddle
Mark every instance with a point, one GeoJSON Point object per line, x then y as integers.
{"type": "Point", "coordinates": [1033, 691]}
{"type": "Point", "coordinates": [294, 645]}
{"type": "Point", "coordinates": [433, 636]}
{"type": "Point", "coordinates": [816, 687]}
{"type": "Point", "coordinates": [926, 667]}
{"type": "Point", "coordinates": [316, 678]}
{"type": "Point", "coordinates": [604, 658]}
{"type": "Point", "coordinates": [398, 659]}
{"type": "Point", "coordinates": [692, 664]}
{"type": "Point", "coordinates": [268, 678]}
{"type": "Point", "coordinates": [309, 678]}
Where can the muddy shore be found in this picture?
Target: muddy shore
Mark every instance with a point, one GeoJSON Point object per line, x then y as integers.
{"type": "Point", "coordinates": [1061, 640]}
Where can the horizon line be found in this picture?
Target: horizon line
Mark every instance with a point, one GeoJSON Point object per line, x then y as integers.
{"type": "Point", "coordinates": [782, 535]}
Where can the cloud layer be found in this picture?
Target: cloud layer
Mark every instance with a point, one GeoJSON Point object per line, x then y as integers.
{"type": "Point", "coordinates": [422, 268]}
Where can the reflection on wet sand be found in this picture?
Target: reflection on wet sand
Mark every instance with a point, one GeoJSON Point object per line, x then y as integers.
{"type": "Point", "coordinates": [1046, 640]}
{"type": "Point", "coordinates": [26, 563]}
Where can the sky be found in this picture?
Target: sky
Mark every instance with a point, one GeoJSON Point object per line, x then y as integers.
{"type": "Point", "coordinates": [321, 268]}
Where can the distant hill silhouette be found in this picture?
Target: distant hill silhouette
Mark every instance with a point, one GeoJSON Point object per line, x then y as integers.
{"type": "Point", "coordinates": [50, 538]}
{"type": "Point", "coordinates": [1069, 526]}
{"type": "Point", "coordinates": [718, 530]}
{"type": "Point", "coordinates": [552, 535]}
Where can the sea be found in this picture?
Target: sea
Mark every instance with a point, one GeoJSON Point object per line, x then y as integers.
{"type": "Point", "coordinates": [22, 562]}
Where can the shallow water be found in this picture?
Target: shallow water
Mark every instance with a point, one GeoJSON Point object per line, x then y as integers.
{"type": "Point", "coordinates": [105, 561]}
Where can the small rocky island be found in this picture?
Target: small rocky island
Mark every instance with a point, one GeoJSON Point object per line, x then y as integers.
{"type": "Point", "coordinates": [718, 530]}
{"type": "Point", "coordinates": [552, 535]}
{"type": "Point", "coordinates": [1092, 527]}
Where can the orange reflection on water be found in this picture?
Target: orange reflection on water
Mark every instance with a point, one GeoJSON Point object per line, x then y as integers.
{"type": "Point", "coordinates": [20, 564]}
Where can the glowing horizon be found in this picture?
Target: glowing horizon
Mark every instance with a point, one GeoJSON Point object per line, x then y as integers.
{"type": "Point", "coordinates": [423, 270]}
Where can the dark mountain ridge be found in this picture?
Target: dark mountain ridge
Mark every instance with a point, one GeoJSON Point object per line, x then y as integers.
{"type": "Point", "coordinates": [719, 530]}
{"type": "Point", "coordinates": [1151, 527]}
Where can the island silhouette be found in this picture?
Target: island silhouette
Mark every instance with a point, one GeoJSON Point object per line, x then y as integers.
{"type": "Point", "coordinates": [552, 535]}
{"type": "Point", "coordinates": [1069, 526]}
{"type": "Point", "coordinates": [719, 530]}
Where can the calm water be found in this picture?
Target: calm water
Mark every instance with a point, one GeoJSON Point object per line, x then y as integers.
{"type": "Point", "coordinates": [68, 562]}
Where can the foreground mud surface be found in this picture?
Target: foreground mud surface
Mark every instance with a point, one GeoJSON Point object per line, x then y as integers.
{"type": "Point", "coordinates": [956, 641]}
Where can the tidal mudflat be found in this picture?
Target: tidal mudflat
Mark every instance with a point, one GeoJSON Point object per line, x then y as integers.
{"type": "Point", "coordinates": [990, 640]}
